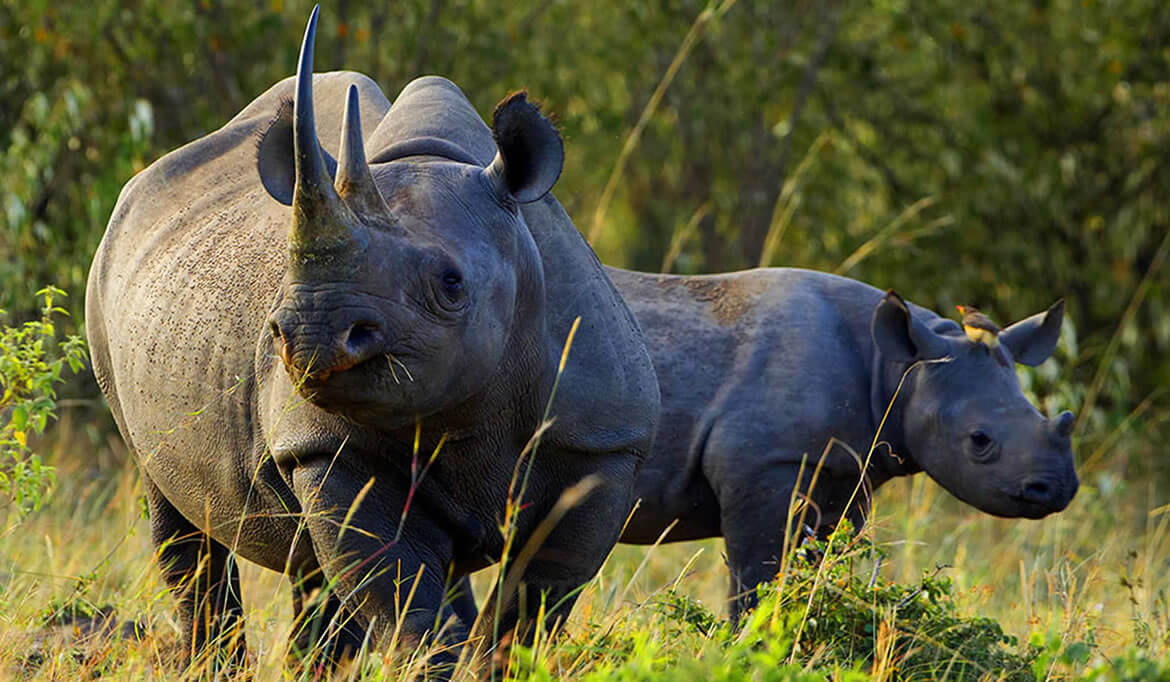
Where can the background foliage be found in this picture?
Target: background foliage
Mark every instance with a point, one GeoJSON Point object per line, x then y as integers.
{"type": "Point", "coordinates": [999, 153]}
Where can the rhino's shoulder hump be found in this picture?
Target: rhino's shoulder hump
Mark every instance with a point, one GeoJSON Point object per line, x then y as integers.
{"type": "Point", "coordinates": [432, 108]}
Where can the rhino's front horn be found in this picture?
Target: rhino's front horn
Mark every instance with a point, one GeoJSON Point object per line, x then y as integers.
{"type": "Point", "coordinates": [319, 216]}
{"type": "Point", "coordinates": [354, 181]}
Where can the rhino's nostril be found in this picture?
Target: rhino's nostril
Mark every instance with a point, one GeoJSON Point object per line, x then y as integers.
{"type": "Point", "coordinates": [1037, 491]}
{"type": "Point", "coordinates": [361, 337]}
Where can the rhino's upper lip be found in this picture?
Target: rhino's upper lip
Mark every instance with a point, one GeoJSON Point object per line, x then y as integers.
{"type": "Point", "coordinates": [320, 378]}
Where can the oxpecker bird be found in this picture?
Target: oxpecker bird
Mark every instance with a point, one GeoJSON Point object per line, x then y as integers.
{"type": "Point", "coordinates": [980, 329]}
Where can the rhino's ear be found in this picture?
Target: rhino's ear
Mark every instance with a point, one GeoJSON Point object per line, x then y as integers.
{"type": "Point", "coordinates": [900, 336]}
{"type": "Point", "coordinates": [275, 159]}
{"type": "Point", "coordinates": [1032, 339]}
{"type": "Point", "coordinates": [530, 154]}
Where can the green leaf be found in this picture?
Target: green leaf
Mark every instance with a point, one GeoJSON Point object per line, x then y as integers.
{"type": "Point", "coordinates": [19, 418]}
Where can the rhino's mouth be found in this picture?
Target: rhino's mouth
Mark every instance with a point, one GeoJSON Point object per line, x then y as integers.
{"type": "Point", "coordinates": [1031, 510]}
{"type": "Point", "coordinates": [1038, 503]}
{"type": "Point", "coordinates": [319, 379]}
{"type": "Point", "coordinates": [354, 382]}
{"type": "Point", "coordinates": [310, 377]}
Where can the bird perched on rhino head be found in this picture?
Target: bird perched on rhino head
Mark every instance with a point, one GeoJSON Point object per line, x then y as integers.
{"type": "Point", "coordinates": [980, 329]}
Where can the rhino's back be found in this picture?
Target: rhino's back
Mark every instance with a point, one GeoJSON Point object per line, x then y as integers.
{"type": "Point", "coordinates": [747, 360]}
{"type": "Point", "coordinates": [712, 324]}
{"type": "Point", "coordinates": [178, 294]}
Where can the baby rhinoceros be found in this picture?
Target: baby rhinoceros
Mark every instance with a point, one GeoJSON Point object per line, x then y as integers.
{"type": "Point", "coordinates": [332, 366]}
{"type": "Point", "coordinates": [762, 368]}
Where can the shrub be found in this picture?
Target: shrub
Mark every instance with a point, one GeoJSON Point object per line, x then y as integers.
{"type": "Point", "coordinates": [31, 361]}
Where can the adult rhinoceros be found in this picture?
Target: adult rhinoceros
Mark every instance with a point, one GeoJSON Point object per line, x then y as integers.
{"type": "Point", "coordinates": [282, 375]}
{"type": "Point", "coordinates": [763, 368]}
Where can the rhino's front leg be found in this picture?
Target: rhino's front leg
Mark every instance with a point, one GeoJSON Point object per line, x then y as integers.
{"type": "Point", "coordinates": [204, 578]}
{"type": "Point", "coordinates": [323, 631]}
{"type": "Point", "coordinates": [553, 568]}
{"type": "Point", "coordinates": [460, 601]}
{"type": "Point", "coordinates": [384, 577]}
{"type": "Point", "coordinates": [753, 512]}
{"type": "Point", "coordinates": [324, 627]}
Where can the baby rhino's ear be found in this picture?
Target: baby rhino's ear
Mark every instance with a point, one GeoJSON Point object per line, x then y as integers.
{"type": "Point", "coordinates": [530, 154]}
{"type": "Point", "coordinates": [1033, 339]}
{"type": "Point", "coordinates": [901, 337]}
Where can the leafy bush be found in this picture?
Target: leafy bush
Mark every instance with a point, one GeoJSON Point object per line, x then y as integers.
{"type": "Point", "coordinates": [829, 616]}
{"type": "Point", "coordinates": [831, 613]}
{"type": "Point", "coordinates": [31, 361]}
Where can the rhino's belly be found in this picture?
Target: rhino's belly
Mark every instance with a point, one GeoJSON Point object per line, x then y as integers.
{"type": "Point", "coordinates": [240, 501]}
{"type": "Point", "coordinates": [188, 408]}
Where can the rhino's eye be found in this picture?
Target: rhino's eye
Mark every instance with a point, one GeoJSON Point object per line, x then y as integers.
{"type": "Point", "coordinates": [450, 293]}
{"type": "Point", "coordinates": [982, 446]}
{"type": "Point", "coordinates": [447, 290]}
{"type": "Point", "coordinates": [452, 281]}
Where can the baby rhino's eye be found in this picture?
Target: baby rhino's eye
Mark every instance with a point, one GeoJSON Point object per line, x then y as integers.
{"type": "Point", "coordinates": [452, 281]}
{"type": "Point", "coordinates": [982, 447]}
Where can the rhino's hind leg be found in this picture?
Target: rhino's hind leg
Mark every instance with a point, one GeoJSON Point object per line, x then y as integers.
{"type": "Point", "coordinates": [205, 580]}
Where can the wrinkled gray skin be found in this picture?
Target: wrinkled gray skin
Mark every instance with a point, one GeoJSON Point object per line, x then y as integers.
{"type": "Point", "coordinates": [759, 368]}
{"type": "Point", "coordinates": [265, 364]}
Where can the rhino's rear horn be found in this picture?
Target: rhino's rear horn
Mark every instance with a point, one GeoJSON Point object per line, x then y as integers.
{"type": "Point", "coordinates": [354, 181]}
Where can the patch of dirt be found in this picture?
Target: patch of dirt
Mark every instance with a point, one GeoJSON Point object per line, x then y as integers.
{"type": "Point", "coordinates": [729, 298]}
{"type": "Point", "coordinates": [85, 636]}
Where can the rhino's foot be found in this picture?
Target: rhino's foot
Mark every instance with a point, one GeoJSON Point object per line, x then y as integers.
{"type": "Point", "coordinates": [324, 634]}
{"type": "Point", "coordinates": [226, 658]}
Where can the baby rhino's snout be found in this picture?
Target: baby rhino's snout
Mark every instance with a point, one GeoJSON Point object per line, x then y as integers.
{"type": "Point", "coordinates": [1055, 484]}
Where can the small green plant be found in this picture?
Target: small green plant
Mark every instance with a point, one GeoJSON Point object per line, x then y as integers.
{"type": "Point", "coordinates": [31, 361]}
{"type": "Point", "coordinates": [834, 613]}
